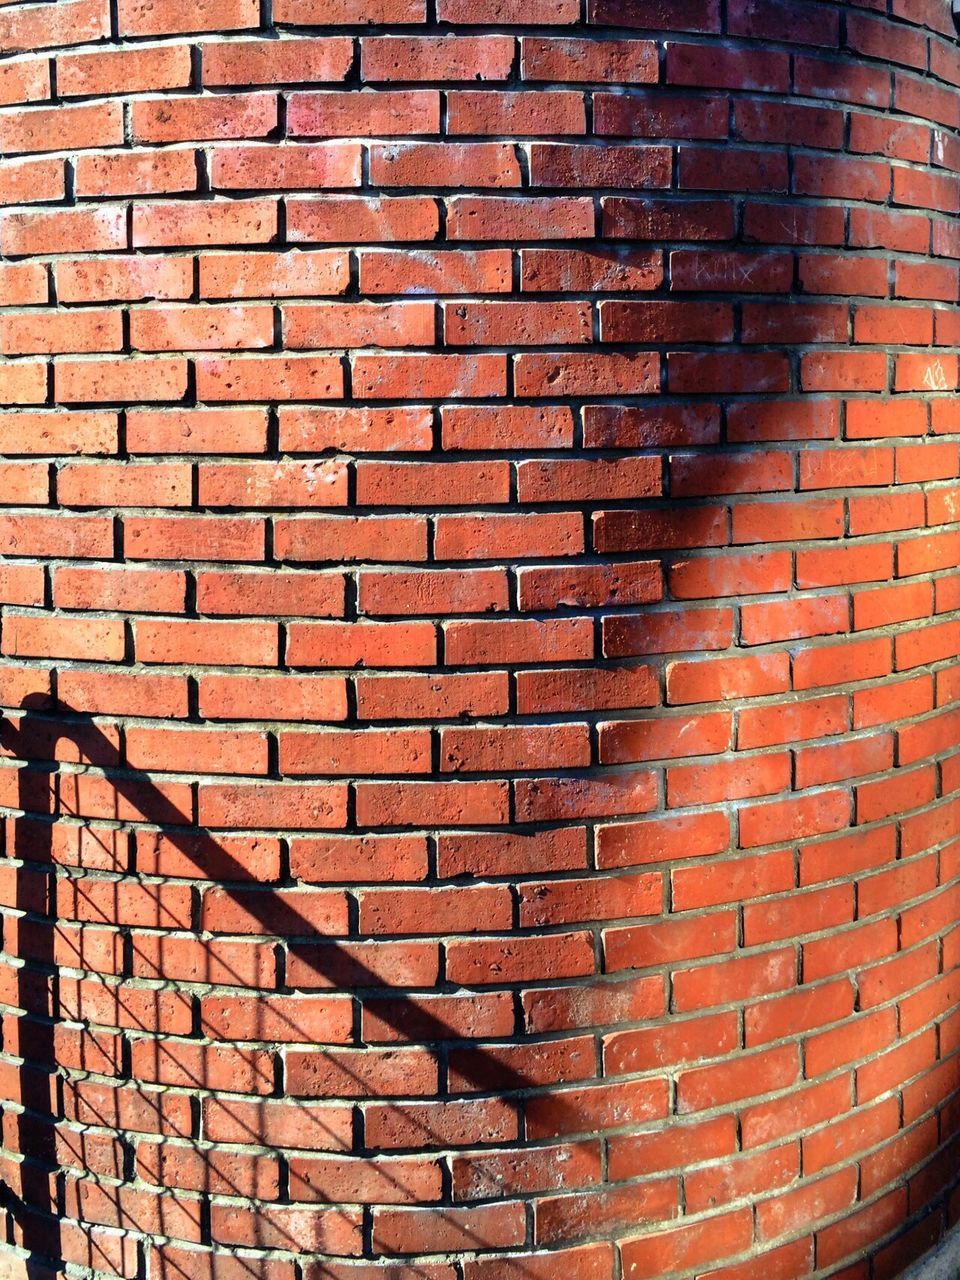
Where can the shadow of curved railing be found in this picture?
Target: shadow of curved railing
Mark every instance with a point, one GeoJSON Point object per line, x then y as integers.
{"type": "Point", "coordinates": [38, 1204]}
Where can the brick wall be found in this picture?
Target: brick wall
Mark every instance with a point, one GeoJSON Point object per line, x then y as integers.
{"type": "Point", "coordinates": [479, 638]}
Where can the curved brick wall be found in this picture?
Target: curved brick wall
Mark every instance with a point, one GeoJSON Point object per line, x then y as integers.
{"type": "Point", "coordinates": [480, 638]}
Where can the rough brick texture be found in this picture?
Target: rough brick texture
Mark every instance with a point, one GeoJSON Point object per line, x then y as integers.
{"type": "Point", "coordinates": [480, 638]}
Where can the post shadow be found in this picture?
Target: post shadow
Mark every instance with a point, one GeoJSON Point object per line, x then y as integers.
{"type": "Point", "coordinates": [32, 1197]}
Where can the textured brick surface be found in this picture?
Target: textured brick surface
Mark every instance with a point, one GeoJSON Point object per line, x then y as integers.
{"type": "Point", "coordinates": [481, 517]}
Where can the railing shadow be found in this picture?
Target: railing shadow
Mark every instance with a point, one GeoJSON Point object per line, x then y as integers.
{"type": "Point", "coordinates": [33, 1189]}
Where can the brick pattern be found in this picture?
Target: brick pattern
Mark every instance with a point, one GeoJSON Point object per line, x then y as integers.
{"type": "Point", "coordinates": [480, 616]}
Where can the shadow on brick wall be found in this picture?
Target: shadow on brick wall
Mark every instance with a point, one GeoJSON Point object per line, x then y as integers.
{"type": "Point", "coordinates": [37, 1193]}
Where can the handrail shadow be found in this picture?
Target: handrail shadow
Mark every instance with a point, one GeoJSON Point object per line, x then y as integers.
{"type": "Point", "coordinates": [37, 1201]}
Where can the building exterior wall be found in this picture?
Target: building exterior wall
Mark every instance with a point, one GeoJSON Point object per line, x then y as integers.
{"type": "Point", "coordinates": [481, 610]}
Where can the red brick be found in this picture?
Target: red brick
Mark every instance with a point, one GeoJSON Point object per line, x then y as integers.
{"type": "Point", "coordinates": [386, 483]}
{"type": "Point", "coordinates": [403, 324]}
{"type": "Point", "coordinates": [876, 228]}
{"type": "Point", "coordinates": [141, 173]}
{"type": "Point", "coordinates": [190, 223]}
{"type": "Point", "coordinates": [851, 853]}
{"type": "Point", "coordinates": [23, 282]}
{"type": "Point", "coordinates": [231, 62]}
{"type": "Point", "coordinates": [469, 164]}
{"type": "Point", "coordinates": [335, 644]}
{"type": "Point", "coordinates": [182, 537]}
{"type": "Point", "coordinates": [624, 584]}
{"type": "Point", "coordinates": [553, 799]}
{"type": "Point", "coordinates": [32, 636]}
{"type": "Point", "coordinates": [476, 1175]}
{"type": "Point", "coordinates": [691, 1246]}
{"type": "Point", "coordinates": [295, 377]}
{"type": "Point", "coordinates": [83, 230]}
{"type": "Point", "coordinates": [555, 481]}
{"type": "Point", "coordinates": [291, 484]}
{"type": "Point", "coordinates": [574, 689]}
{"type": "Point", "coordinates": [790, 620]}
{"type": "Point", "coordinates": [688, 1143]}
{"type": "Point", "coordinates": [704, 371]}
{"type": "Point", "coordinates": [632, 636]}
{"type": "Point", "coordinates": [398, 1181]}
{"type": "Point", "coordinates": [398, 1231]}
{"type": "Point", "coordinates": [741, 880]}
{"type": "Point", "coordinates": [485, 218]}
{"type": "Point", "coordinates": [794, 819]}
{"type": "Point", "coordinates": [436, 591]}
{"type": "Point", "coordinates": [139, 18]}
{"type": "Point", "coordinates": [121, 380]}
{"type": "Point", "coordinates": [517, 114]}
{"type": "Point", "coordinates": [463, 537]}
{"type": "Point", "coordinates": [351, 12]}
{"type": "Point", "coordinates": [823, 1198]}
{"type": "Point", "coordinates": [716, 679]}
{"type": "Point", "coordinates": [275, 593]}
{"type": "Point", "coordinates": [339, 752]}
{"type": "Point", "coordinates": [64, 128]}
{"type": "Point", "coordinates": [132, 70]}
{"type": "Point", "coordinates": [649, 115]}
{"type": "Point", "coordinates": [578, 60]}
{"type": "Point", "coordinates": [359, 964]}
{"type": "Point", "coordinates": [266, 805]}
{"type": "Point", "coordinates": [565, 164]}
{"type": "Point", "coordinates": [576, 270]}
{"type": "Point", "coordinates": [519, 959]}
{"type": "Point", "coordinates": [410, 377]}
{"type": "Point", "coordinates": [456, 803]}
{"type": "Point", "coordinates": [122, 280]}
{"type": "Point", "coordinates": [346, 538]}
{"type": "Point", "coordinates": [801, 1108]}
{"type": "Point", "coordinates": [196, 430]}
{"type": "Point", "coordinates": [25, 80]}
{"type": "Point", "coordinates": [183, 749]}
{"type": "Point", "coordinates": [272, 1225]}
{"type": "Point", "coordinates": [797, 914]}
{"type": "Point", "coordinates": [508, 11]}
{"type": "Point", "coordinates": [196, 329]}
{"type": "Point", "coordinates": [629, 844]}
{"type": "Point", "coordinates": [432, 58]}
{"type": "Point", "coordinates": [354, 430]}
{"type": "Point", "coordinates": [707, 169]}
{"type": "Point", "coordinates": [245, 167]}
{"type": "Point", "coordinates": [830, 665]}
{"type": "Point", "coordinates": [71, 536]}
{"type": "Point", "coordinates": [691, 64]}
{"type": "Point", "coordinates": [360, 219]}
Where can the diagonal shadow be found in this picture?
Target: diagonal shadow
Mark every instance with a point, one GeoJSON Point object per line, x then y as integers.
{"type": "Point", "coordinates": [34, 1189]}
